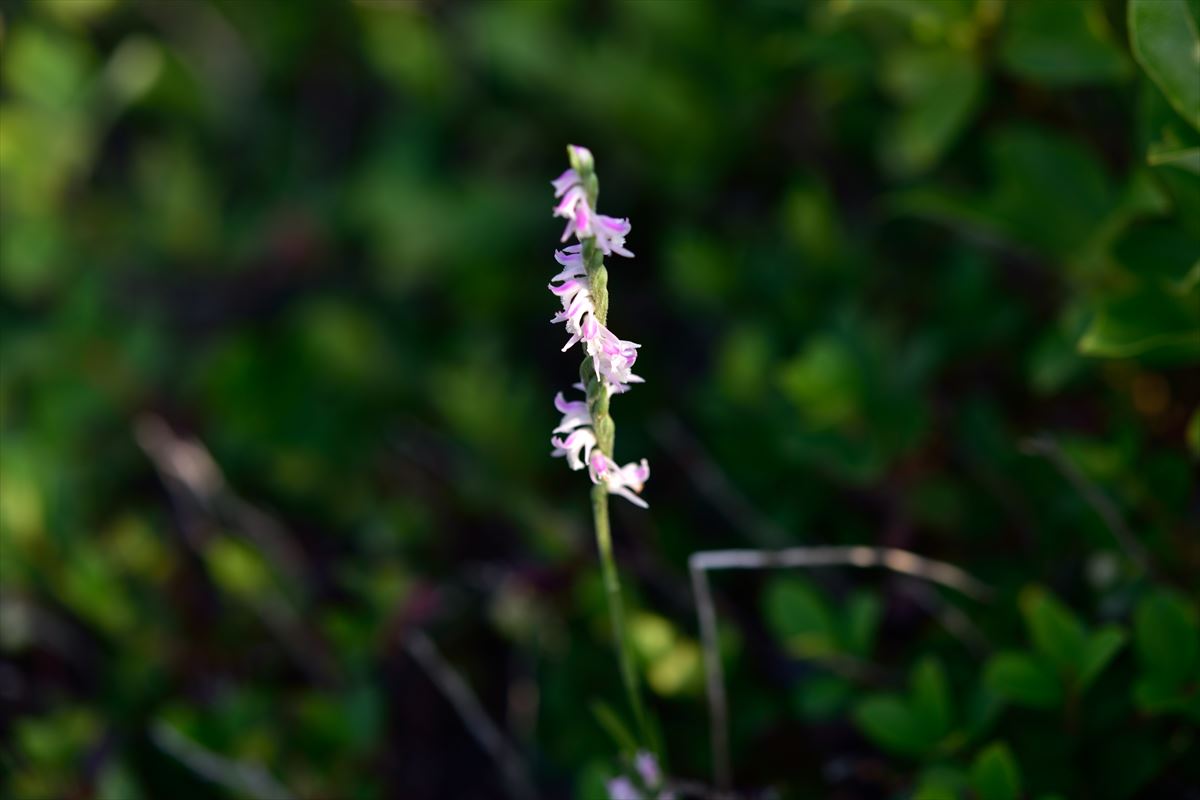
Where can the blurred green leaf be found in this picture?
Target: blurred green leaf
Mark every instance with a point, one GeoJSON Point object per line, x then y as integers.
{"type": "Point", "coordinates": [862, 615]}
{"type": "Point", "coordinates": [1060, 43]}
{"type": "Point", "coordinates": [1102, 647]}
{"type": "Point", "coordinates": [1162, 250]}
{"type": "Point", "coordinates": [1056, 632]}
{"type": "Point", "coordinates": [1163, 34]}
{"type": "Point", "coordinates": [822, 697]}
{"type": "Point", "coordinates": [1167, 637]}
{"type": "Point", "coordinates": [823, 382]}
{"type": "Point", "coordinates": [1024, 679]}
{"type": "Point", "coordinates": [614, 726]}
{"type": "Point", "coordinates": [938, 92]}
{"type": "Point", "coordinates": [1145, 320]}
{"type": "Point", "coordinates": [800, 617]}
{"type": "Point", "coordinates": [913, 725]}
{"type": "Point", "coordinates": [47, 68]}
{"type": "Point", "coordinates": [931, 698]}
{"type": "Point", "coordinates": [994, 774]}
{"type": "Point", "coordinates": [238, 568]}
{"type": "Point", "coordinates": [940, 783]}
{"type": "Point", "coordinates": [891, 723]}
{"type": "Point", "coordinates": [1186, 159]}
{"type": "Point", "coordinates": [1048, 193]}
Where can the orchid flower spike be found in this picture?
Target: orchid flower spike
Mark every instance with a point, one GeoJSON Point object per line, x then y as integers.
{"type": "Point", "coordinates": [581, 287]}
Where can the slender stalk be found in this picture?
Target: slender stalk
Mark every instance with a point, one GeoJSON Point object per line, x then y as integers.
{"type": "Point", "coordinates": [602, 423]}
{"type": "Point", "coordinates": [616, 610]}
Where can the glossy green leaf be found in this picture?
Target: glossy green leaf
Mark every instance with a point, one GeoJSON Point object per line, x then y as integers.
{"type": "Point", "coordinates": [1163, 34]}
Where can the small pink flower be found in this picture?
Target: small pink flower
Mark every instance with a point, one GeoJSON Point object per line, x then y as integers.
{"type": "Point", "coordinates": [613, 359]}
{"type": "Point", "coordinates": [647, 765]}
{"type": "Point", "coordinates": [580, 440]}
{"type": "Point", "coordinates": [575, 413]}
{"type": "Point", "coordinates": [626, 481]}
{"type": "Point", "coordinates": [564, 182]}
{"type": "Point", "coordinates": [608, 232]}
{"type": "Point", "coordinates": [621, 788]}
{"type": "Point", "coordinates": [575, 210]}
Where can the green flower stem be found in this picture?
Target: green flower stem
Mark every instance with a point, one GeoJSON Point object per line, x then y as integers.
{"type": "Point", "coordinates": [616, 611]}
{"type": "Point", "coordinates": [597, 400]}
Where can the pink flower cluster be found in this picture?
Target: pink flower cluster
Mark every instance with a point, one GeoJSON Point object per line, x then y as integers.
{"type": "Point", "coordinates": [609, 232]}
{"type": "Point", "coordinates": [612, 357]}
{"type": "Point", "coordinates": [579, 447]}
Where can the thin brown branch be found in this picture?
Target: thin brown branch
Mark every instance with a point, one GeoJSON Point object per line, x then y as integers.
{"type": "Point", "coordinates": [1049, 448]}
{"type": "Point", "coordinates": [714, 485]}
{"type": "Point", "coordinates": [456, 691]}
{"type": "Point", "coordinates": [891, 558]}
{"type": "Point", "coordinates": [202, 497]}
{"type": "Point", "coordinates": [714, 678]}
{"type": "Point", "coordinates": [250, 780]}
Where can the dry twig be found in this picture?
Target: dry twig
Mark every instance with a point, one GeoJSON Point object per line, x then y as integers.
{"type": "Point", "coordinates": [1049, 448]}
{"type": "Point", "coordinates": [478, 724]}
{"type": "Point", "coordinates": [238, 777]}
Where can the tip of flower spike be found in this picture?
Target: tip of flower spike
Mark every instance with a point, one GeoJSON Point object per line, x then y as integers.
{"type": "Point", "coordinates": [580, 158]}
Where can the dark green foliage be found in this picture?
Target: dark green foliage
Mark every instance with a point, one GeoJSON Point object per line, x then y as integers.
{"type": "Point", "coordinates": [276, 381]}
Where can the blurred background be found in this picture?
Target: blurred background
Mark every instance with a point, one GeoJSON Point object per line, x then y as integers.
{"type": "Point", "coordinates": [277, 512]}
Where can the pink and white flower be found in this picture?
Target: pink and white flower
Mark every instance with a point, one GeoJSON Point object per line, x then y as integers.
{"type": "Point", "coordinates": [575, 413]}
{"type": "Point", "coordinates": [612, 357]}
{"type": "Point", "coordinates": [582, 221]}
{"type": "Point", "coordinates": [626, 481]}
{"type": "Point", "coordinates": [579, 441]}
